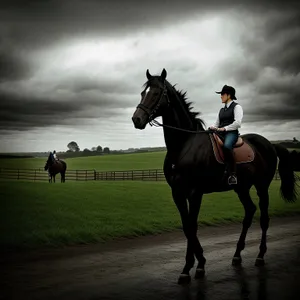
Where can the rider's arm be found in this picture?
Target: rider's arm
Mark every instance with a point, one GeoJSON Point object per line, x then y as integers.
{"type": "Point", "coordinates": [238, 117]}
{"type": "Point", "coordinates": [217, 122]}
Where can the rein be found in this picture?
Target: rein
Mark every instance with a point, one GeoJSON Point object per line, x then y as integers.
{"type": "Point", "coordinates": [157, 124]}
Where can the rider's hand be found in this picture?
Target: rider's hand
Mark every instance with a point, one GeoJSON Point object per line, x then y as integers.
{"type": "Point", "coordinates": [212, 128]}
{"type": "Point", "coordinates": [221, 129]}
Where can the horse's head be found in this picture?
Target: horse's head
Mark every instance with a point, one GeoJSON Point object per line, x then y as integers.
{"type": "Point", "coordinates": [46, 166]}
{"type": "Point", "coordinates": [153, 100]}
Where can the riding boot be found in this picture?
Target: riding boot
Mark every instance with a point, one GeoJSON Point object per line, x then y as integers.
{"type": "Point", "coordinates": [230, 166]}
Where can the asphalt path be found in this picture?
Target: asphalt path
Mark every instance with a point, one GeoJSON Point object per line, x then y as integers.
{"type": "Point", "coordinates": [148, 268]}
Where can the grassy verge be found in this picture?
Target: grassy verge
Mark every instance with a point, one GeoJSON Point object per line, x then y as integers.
{"type": "Point", "coordinates": [41, 214]}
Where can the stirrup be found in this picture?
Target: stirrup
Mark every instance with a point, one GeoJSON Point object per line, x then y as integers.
{"type": "Point", "coordinates": [232, 179]}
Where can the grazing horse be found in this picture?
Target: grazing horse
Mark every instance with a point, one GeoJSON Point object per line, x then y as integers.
{"type": "Point", "coordinates": [194, 165]}
{"type": "Point", "coordinates": [55, 167]}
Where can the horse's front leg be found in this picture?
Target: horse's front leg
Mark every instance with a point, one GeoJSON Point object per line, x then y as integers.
{"type": "Point", "coordinates": [181, 203]}
{"type": "Point", "coordinates": [195, 201]}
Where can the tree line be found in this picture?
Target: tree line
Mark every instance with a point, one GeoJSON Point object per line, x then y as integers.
{"type": "Point", "coordinates": [73, 147]}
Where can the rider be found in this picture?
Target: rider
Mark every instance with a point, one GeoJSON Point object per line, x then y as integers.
{"type": "Point", "coordinates": [227, 123]}
{"type": "Point", "coordinates": [55, 156]}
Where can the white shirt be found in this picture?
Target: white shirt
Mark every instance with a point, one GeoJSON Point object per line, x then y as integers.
{"type": "Point", "coordinates": [238, 117]}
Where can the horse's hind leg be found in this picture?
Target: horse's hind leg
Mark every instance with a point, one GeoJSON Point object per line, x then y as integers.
{"type": "Point", "coordinates": [250, 209]}
{"type": "Point", "coordinates": [263, 194]}
{"type": "Point", "coordinates": [63, 177]}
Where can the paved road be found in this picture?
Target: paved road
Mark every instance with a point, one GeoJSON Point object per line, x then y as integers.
{"type": "Point", "coordinates": [148, 268]}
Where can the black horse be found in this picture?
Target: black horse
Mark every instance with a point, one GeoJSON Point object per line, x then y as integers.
{"type": "Point", "coordinates": [55, 167]}
{"type": "Point", "coordinates": [193, 166]}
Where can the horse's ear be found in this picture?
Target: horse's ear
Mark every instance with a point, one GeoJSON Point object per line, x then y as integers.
{"type": "Point", "coordinates": [163, 74]}
{"type": "Point", "coordinates": [149, 76]}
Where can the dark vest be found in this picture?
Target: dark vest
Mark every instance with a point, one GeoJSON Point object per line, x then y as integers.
{"type": "Point", "coordinates": [226, 117]}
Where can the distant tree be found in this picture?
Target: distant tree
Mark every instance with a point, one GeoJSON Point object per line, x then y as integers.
{"type": "Point", "coordinates": [94, 149]}
{"type": "Point", "coordinates": [86, 150]}
{"type": "Point", "coordinates": [73, 146]}
{"type": "Point", "coordinates": [99, 149]}
{"type": "Point", "coordinates": [295, 140]}
{"type": "Point", "coordinates": [106, 150]}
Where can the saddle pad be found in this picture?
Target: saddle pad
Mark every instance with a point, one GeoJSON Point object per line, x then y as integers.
{"type": "Point", "coordinates": [242, 154]}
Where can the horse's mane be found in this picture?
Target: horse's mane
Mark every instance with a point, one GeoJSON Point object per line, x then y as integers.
{"type": "Point", "coordinates": [194, 116]}
{"type": "Point", "coordinates": [48, 159]}
{"type": "Point", "coordinates": [187, 104]}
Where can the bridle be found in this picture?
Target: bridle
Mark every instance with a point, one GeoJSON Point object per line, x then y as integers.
{"type": "Point", "coordinates": [147, 109]}
{"type": "Point", "coordinates": [155, 123]}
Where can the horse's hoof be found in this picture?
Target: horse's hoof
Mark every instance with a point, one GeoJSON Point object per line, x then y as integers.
{"type": "Point", "coordinates": [259, 262]}
{"type": "Point", "coordinates": [236, 261]}
{"type": "Point", "coordinates": [199, 273]}
{"type": "Point", "coordinates": [184, 279]}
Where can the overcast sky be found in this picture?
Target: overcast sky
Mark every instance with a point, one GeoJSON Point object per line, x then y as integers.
{"type": "Point", "coordinates": [74, 71]}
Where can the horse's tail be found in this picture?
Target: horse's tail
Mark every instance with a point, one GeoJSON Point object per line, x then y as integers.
{"type": "Point", "coordinates": [286, 172]}
{"type": "Point", "coordinates": [295, 158]}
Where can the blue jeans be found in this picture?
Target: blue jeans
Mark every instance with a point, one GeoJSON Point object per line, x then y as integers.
{"type": "Point", "coordinates": [230, 139]}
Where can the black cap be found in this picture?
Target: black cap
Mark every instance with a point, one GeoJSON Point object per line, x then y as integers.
{"type": "Point", "coordinates": [228, 90]}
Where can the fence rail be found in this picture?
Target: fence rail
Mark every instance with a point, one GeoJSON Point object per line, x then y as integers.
{"type": "Point", "coordinates": [41, 175]}
{"type": "Point", "coordinates": [87, 175]}
{"type": "Point", "coordinates": [84, 175]}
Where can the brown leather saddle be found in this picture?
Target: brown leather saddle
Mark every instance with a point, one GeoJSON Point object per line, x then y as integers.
{"type": "Point", "coordinates": [243, 152]}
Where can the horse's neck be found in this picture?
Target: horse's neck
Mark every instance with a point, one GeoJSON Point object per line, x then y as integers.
{"type": "Point", "coordinates": [175, 138]}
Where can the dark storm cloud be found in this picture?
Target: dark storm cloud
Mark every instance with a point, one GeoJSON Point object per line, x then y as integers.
{"type": "Point", "coordinates": [276, 100]}
{"type": "Point", "coordinates": [24, 112]}
{"type": "Point", "coordinates": [42, 22]}
{"type": "Point", "coordinates": [31, 25]}
{"type": "Point", "coordinates": [13, 63]}
{"type": "Point", "coordinates": [80, 84]}
{"type": "Point", "coordinates": [277, 42]}
{"type": "Point", "coordinates": [271, 69]}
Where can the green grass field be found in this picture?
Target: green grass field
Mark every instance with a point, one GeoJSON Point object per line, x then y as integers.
{"type": "Point", "coordinates": [117, 162]}
{"type": "Point", "coordinates": [42, 214]}
{"type": "Point", "coordinates": [150, 160]}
